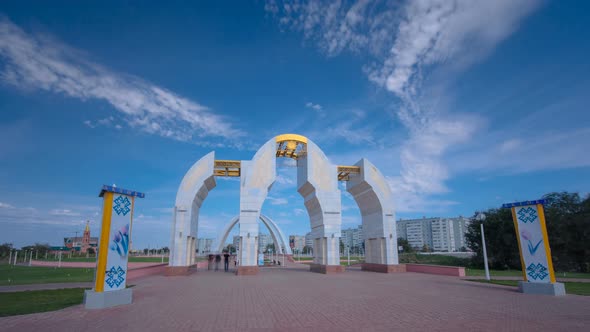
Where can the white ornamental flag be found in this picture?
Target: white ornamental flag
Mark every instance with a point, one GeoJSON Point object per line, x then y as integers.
{"type": "Point", "coordinates": [118, 248]}
{"type": "Point", "coordinates": [532, 244]}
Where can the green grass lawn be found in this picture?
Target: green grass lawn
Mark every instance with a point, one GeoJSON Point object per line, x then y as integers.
{"type": "Point", "coordinates": [415, 258]}
{"type": "Point", "coordinates": [578, 288]}
{"type": "Point", "coordinates": [20, 303]}
{"type": "Point", "coordinates": [23, 275]}
{"type": "Point", "coordinates": [493, 273]}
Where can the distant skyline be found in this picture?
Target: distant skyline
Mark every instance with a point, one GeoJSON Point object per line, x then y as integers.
{"type": "Point", "coordinates": [463, 105]}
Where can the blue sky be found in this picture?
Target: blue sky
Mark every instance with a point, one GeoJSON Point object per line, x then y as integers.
{"type": "Point", "coordinates": [463, 105]}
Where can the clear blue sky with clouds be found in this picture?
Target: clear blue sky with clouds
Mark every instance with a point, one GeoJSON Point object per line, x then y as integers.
{"type": "Point", "coordinates": [463, 105]}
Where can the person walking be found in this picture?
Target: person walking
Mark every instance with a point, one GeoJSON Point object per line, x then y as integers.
{"type": "Point", "coordinates": [226, 261]}
{"type": "Point", "coordinates": [217, 260]}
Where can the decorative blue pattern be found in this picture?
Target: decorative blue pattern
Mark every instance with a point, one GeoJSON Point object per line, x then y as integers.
{"type": "Point", "coordinates": [115, 277]}
{"type": "Point", "coordinates": [538, 271]}
{"type": "Point", "coordinates": [527, 214]}
{"type": "Point", "coordinates": [533, 249]}
{"type": "Point", "coordinates": [122, 204]}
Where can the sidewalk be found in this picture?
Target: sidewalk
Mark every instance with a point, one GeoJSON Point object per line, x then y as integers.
{"type": "Point", "coordinates": [277, 298]}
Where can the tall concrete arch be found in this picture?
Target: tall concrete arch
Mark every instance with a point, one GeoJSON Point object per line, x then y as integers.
{"type": "Point", "coordinates": [317, 183]}
{"type": "Point", "coordinates": [193, 190]}
{"type": "Point", "coordinates": [256, 178]}
{"type": "Point", "coordinates": [374, 199]}
{"type": "Point", "coordinates": [277, 236]}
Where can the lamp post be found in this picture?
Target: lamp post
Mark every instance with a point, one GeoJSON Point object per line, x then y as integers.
{"type": "Point", "coordinates": [481, 217]}
{"type": "Point", "coordinates": [348, 252]}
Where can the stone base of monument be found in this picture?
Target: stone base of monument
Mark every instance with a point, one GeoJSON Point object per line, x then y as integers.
{"type": "Point", "coordinates": [94, 300]}
{"type": "Point", "coordinates": [247, 270]}
{"type": "Point", "coordinates": [326, 269]}
{"type": "Point", "coordinates": [383, 268]}
{"type": "Point", "coordinates": [555, 289]}
{"type": "Point", "coordinates": [176, 271]}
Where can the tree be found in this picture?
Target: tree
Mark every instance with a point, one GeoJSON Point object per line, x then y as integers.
{"type": "Point", "coordinates": [406, 247]}
{"type": "Point", "coordinates": [230, 248]}
{"type": "Point", "coordinates": [269, 247]}
{"type": "Point", "coordinates": [341, 246]}
{"type": "Point", "coordinates": [568, 228]}
{"type": "Point", "coordinates": [5, 249]}
{"type": "Point", "coordinates": [501, 242]}
{"type": "Point", "coordinates": [41, 248]}
{"type": "Point", "coordinates": [307, 249]}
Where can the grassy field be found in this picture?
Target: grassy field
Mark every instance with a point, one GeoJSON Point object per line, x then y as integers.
{"type": "Point", "coordinates": [493, 273]}
{"type": "Point", "coordinates": [23, 275]}
{"type": "Point", "coordinates": [578, 288]}
{"type": "Point", "coordinates": [434, 259]}
{"type": "Point", "coordinates": [20, 303]}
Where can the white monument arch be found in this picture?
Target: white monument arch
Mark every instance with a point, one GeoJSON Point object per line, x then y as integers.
{"type": "Point", "coordinates": [317, 182]}
{"type": "Point", "coordinates": [277, 236]}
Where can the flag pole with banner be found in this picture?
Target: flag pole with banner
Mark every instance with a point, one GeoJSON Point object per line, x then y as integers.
{"type": "Point", "coordinates": [533, 244]}
{"type": "Point", "coordinates": [110, 280]}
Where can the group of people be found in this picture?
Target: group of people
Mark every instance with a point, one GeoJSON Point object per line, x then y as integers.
{"type": "Point", "coordinates": [217, 259]}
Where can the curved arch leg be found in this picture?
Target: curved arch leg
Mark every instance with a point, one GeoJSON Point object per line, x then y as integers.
{"type": "Point", "coordinates": [256, 178]}
{"type": "Point", "coordinates": [317, 183]}
{"type": "Point", "coordinates": [193, 190]}
{"type": "Point", "coordinates": [373, 197]}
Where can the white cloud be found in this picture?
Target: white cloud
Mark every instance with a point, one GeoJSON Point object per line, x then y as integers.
{"type": "Point", "coordinates": [404, 45]}
{"type": "Point", "coordinates": [313, 106]}
{"type": "Point", "coordinates": [510, 145]}
{"type": "Point", "coordinates": [64, 212]}
{"type": "Point", "coordinates": [540, 151]}
{"type": "Point", "coordinates": [34, 61]}
{"type": "Point", "coordinates": [284, 180]}
{"type": "Point", "coordinates": [6, 206]}
{"type": "Point", "coordinates": [30, 215]}
{"type": "Point", "coordinates": [277, 201]}
{"type": "Point", "coordinates": [298, 212]}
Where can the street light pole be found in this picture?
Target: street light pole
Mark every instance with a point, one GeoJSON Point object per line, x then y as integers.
{"type": "Point", "coordinates": [348, 251]}
{"type": "Point", "coordinates": [481, 217]}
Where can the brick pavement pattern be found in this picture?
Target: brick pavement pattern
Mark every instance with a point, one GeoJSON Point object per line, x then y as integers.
{"type": "Point", "coordinates": [294, 299]}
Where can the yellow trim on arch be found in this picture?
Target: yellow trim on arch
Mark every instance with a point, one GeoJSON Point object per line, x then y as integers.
{"type": "Point", "coordinates": [541, 213]}
{"type": "Point", "coordinates": [103, 246]}
{"type": "Point", "coordinates": [519, 247]}
{"type": "Point", "coordinates": [291, 137]}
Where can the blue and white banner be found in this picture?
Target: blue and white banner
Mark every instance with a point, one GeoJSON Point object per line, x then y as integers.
{"type": "Point", "coordinates": [118, 246]}
{"type": "Point", "coordinates": [534, 249]}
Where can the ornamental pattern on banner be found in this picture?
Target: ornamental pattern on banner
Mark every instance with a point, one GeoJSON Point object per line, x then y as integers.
{"type": "Point", "coordinates": [532, 244]}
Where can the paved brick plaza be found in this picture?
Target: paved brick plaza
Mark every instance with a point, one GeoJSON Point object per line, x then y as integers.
{"type": "Point", "coordinates": [297, 300]}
